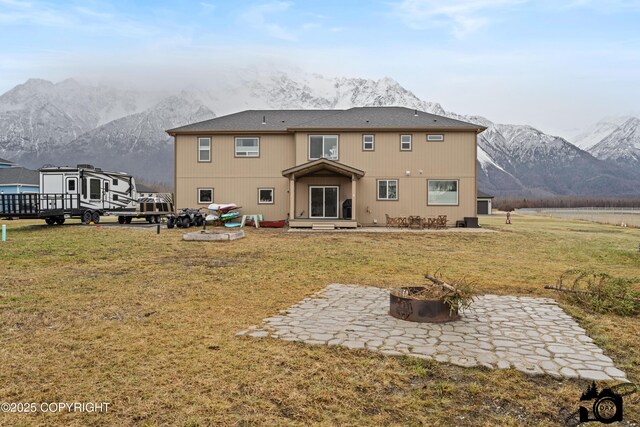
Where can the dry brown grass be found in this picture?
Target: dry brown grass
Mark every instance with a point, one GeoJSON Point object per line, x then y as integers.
{"type": "Point", "coordinates": [147, 323]}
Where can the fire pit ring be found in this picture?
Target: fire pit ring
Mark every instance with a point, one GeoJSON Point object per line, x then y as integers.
{"type": "Point", "coordinates": [403, 306]}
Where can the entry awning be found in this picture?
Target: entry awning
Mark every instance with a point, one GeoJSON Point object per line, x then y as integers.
{"type": "Point", "coordinates": [322, 164]}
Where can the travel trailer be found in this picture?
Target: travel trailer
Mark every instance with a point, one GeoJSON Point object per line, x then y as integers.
{"type": "Point", "coordinates": [85, 192]}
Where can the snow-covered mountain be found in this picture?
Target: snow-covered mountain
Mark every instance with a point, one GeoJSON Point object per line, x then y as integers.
{"type": "Point", "coordinates": [68, 122]}
{"type": "Point", "coordinates": [615, 140]}
{"type": "Point", "coordinates": [522, 160]}
{"type": "Point", "coordinates": [136, 142]}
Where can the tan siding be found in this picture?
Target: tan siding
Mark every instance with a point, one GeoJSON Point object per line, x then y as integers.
{"type": "Point", "coordinates": [237, 179]}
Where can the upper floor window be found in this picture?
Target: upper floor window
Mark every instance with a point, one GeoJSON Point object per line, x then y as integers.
{"type": "Point", "coordinates": [323, 146]}
{"type": "Point", "coordinates": [405, 142]}
{"type": "Point", "coordinates": [435, 137]}
{"type": "Point", "coordinates": [204, 149]}
{"type": "Point", "coordinates": [368, 142]}
{"type": "Point", "coordinates": [247, 147]}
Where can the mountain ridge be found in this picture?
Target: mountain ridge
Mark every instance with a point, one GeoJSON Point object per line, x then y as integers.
{"type": "Point", "coordinates": [45, 122]}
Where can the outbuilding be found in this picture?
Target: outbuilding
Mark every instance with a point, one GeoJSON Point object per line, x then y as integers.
{"type": "Point", "coordinates": [484, 203]}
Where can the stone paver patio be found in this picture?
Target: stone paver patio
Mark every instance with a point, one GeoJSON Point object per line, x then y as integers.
{"type": "Point", "coordinates": [532, 335]}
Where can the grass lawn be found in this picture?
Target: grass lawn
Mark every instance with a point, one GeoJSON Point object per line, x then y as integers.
{"type": "Point", "coordinates": [146, 322]}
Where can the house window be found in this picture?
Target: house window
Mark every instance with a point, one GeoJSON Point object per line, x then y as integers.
{"type": "Point", "coordinates": [205, 195]}
{"type": "Point", "coordinates": [323, 146]}
{"type": "Point", "coordinates": [265, 196]}
{"type": "Point", "coordinates": [387, 189]}
{"type": "Point", "coordinates": [405, 142]}
{"type": "Point", "coordinates": [204, 149]}
{"type": "Point", "coordinates": [94, 189]}
{"type": "Point", "coordinates": [247, 147]}
{"type": "Point", "coordinates": [368, 142]}
{"type": "Point", "coordinates": [442, 192]}
{"type": "Point", "coordinates": [435, 137]}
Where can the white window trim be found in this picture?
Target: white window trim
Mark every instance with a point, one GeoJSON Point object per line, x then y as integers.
{"type": "Point", "coordinates": [200, 202]}
{"type": "Point", "coordinates": [387, 181]}
{"type": "Point", "coordinates": [457, 203]}
{"type": "Point", "coordinates": [435, 137]}
{"type": "Point", "coordinates": [323, 137]}
{"type": "Point", "coordinates": [373, 142]}
{"type": "Point", "coordinates": [273, 196]}
{"type": "Point", "coordinates": [410, 142]}
{"type": "Point", "coordinates": [246, 155]}
{"type": "Point", "coordinates": [200, 150]}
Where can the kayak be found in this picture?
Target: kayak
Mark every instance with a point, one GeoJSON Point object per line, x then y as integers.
{"type": "Point", "coordinates": [268, 224]}
{"type": "Point", "coordinates": [224, 217]}
{"type": "Point", "coordinates": [223, 208]}
{"type": "Point", "coordinates": [229, 215]}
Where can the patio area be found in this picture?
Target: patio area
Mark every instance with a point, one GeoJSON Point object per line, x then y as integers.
{"type": "Point", "coordinates": [532, 335]}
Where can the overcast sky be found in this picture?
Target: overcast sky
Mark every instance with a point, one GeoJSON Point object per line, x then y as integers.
{"type": "Point", "coordinates": [559, 66]}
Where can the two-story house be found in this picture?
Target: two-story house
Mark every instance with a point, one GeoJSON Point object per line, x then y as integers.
{"type": "Point", "coordinates": [305, 164]}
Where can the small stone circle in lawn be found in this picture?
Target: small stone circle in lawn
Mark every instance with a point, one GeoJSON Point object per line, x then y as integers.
{"type": "Point", "coordinates": [532, 335]}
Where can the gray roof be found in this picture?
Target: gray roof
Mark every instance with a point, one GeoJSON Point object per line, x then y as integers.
{"type": "Point", "coordinates": [400, 118]}
{"type": "Point", "coordinates": [483, 195]}
{"type": "Point", "coordinates": [6, 162]}
{"type": "Point", "coordinates": [19, 175]}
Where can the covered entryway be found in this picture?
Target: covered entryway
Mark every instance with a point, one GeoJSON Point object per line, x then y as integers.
{"type": "Point", "coordinates": [318, 190]}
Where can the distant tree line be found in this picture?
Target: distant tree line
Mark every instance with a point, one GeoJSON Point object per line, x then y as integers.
{"type": "Point", "coordinates": [511, 203]}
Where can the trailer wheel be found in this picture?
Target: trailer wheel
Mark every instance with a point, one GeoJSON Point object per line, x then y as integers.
{"type": "Point", "coordinates": [86, 217]}
{"type": "Point", "coordinates": [95, 217]}
{"type": "Point", "coordinates": [127, 220]}
{"type": "Point", "coordinates": [171, 222]}
{"type": "Point", "coordinates": [50, 221]}
{"type": "Point", "coordinates": [60, 220]}
{"type": "Point", "coordinates": [121, 219]}
{"type": "Point", "coordinates": [186, 222]}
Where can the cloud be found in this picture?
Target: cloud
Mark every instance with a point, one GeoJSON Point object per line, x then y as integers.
{"type": "Point", "coordinates": [259, 17]}
{"type": "Point", "coordinates": [609, 6]}
{"type": "Point", "coordinates": [207, 7]}
{"type": "Point", "coordinates": [462, 17]}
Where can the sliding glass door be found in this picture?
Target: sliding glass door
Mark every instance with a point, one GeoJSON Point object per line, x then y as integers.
{"type": "Point", "coordinates": [323, 202]}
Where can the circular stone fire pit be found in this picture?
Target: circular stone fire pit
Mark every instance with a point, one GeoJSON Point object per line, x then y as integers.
{"type": "Point", "coordinates": [403, 305]}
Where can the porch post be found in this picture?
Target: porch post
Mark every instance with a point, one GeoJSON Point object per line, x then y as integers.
{"type": "Point", "coordinates": [292, 197]}
{"type": "Point", "coordinates": [354, 205]}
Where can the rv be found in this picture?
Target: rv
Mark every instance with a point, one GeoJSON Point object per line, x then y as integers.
{"type": "Point", "coordinates": [85, 192]}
